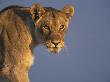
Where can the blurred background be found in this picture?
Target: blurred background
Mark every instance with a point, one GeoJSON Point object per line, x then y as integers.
{"type": "Point", "coordinates": [86, 56]}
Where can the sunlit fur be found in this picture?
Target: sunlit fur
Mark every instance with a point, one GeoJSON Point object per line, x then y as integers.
{"type": "Point", "coordinates": [21, 29]}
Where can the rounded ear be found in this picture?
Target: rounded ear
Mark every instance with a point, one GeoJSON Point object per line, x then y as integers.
{"type": "Point", "coordinates": [36, 11]}
{"type": "Point", "coordinates": [68, 10]}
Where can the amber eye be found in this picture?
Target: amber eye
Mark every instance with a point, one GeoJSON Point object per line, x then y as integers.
{"type": "Point", "coordinates": [62, 27]}
{"type": "Point", "coordinates": [45, 29]}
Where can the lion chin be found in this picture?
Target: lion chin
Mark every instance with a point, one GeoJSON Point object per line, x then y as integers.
{"type": "Point", "coordinates": [54, 49]}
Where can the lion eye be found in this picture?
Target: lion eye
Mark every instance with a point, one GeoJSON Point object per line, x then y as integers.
{"type": "Point", "coordinates": [62, 27]}
{"type": "Point", "coordinates": [45, 29]}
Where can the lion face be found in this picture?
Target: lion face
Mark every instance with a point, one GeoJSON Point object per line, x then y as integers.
{"type": "Point", "coordinates": [51, 26]}
{"type": "Point", "coordinates": [51, 29]}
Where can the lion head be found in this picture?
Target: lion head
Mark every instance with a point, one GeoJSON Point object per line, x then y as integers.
{"type": "Point", "coordinates": [51, 25]}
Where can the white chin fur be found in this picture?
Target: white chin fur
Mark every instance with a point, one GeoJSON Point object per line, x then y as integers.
{"type": "Point", "coordinates": [54, 50]}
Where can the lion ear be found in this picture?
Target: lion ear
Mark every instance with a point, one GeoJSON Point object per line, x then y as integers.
{"type": "Point", "coordinates": [68, 10]}
{"type": "Point", "coordinates": [36, 11]}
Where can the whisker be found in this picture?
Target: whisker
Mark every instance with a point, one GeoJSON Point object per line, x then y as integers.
{"type": "Point", "coordinates": [66, 50]}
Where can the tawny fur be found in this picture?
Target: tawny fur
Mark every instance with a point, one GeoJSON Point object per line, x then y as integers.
{"type": "Point", "coordinates": [18, 37]}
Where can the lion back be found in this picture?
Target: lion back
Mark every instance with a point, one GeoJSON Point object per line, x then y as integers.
{"type": "Point", "coordinates": [15, 42]}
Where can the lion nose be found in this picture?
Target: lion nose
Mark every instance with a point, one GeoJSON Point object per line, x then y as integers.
{"type": "Point", "coordinates": [55, 42]}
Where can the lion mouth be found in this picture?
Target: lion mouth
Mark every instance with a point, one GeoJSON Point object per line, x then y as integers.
{"type": "Point", "coordinates": [54, 49]}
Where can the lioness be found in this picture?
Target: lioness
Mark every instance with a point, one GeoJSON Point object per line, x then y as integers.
{"type": "Point", "coordinates": [21, 29]}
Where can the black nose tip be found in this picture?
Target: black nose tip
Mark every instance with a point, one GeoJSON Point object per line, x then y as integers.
{"type": "Point", "coordinates": [55, 42]}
